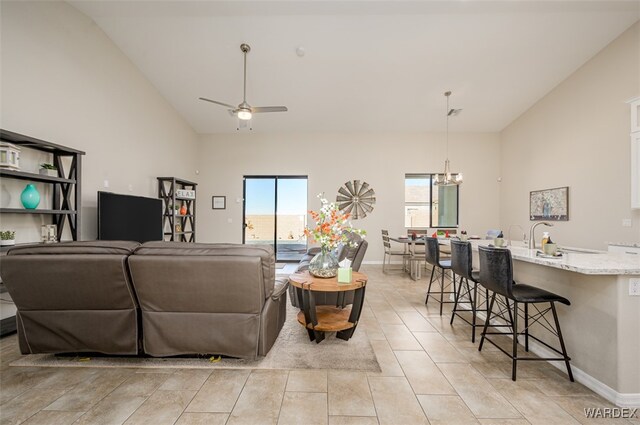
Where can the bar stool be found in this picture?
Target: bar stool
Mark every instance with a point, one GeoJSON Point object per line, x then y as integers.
{"type": "Point", "coordinates": [496, 274]}
{"type": "Point", "coordinates": [432, 255]}
{"type": "Point", "coordinates": [461, 265]}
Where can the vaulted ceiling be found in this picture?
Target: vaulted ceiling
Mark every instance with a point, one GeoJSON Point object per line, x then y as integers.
{"type": "Point", "coordinates": [372, 66]}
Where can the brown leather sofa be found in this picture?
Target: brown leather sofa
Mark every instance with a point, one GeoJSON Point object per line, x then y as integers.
{"type": "Point", "coordinates": [73, 297]}
{"type": "Point", "coordinates": [159, 298]}
{"type": "Point", "coordinates": [201, 298]}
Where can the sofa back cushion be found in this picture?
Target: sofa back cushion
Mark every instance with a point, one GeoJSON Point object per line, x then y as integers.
{"type": "Point", "coordinates": [70, 276]}
{"type": "Point", "coordinates": [216, 278]}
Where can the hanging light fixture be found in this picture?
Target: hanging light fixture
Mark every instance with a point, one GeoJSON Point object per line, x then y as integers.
{"type": "Point", "coordinates": [446, 178]}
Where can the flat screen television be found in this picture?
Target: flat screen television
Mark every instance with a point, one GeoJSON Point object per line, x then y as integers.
{"type": "Point", "coordinates": [129, 218]}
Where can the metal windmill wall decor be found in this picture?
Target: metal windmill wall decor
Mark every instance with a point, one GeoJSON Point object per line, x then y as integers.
{"type": "Point", "coordinates": [356, 198]}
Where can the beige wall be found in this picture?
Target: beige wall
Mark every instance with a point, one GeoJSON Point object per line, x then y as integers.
{"type": "Point", "coordinates": [329, 160]}
{"type": "Point", "coordinates": [63, 80]}
{"type": "Point", "coordinates": [578, 136]}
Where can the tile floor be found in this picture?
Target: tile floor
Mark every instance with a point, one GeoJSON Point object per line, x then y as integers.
{"type": "Point", "coordinates": [431, 374]}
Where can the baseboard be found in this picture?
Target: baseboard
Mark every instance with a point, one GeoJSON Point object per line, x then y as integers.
{"type": "Point", "coordinates": [598, 387]}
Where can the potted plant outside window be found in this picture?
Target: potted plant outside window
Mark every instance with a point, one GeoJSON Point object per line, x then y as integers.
{"type": "Point", "coordinates": [7, 237]}
{"type": "Point", "coordinates": [48, 170]}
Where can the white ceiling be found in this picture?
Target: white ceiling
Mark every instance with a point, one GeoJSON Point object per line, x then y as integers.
{"type": "Point", "coordinates": [373, 66]}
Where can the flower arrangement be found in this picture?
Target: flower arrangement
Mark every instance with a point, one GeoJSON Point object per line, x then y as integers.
{"type": "Point", "coordinates": [332, 226]}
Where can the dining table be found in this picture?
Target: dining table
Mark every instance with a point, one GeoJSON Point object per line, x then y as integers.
{"type": "Point", "coordinates": [416, 258]}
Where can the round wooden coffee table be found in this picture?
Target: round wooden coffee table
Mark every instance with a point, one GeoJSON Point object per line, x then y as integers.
{"type": "Point", "coordinates": [325, 318]}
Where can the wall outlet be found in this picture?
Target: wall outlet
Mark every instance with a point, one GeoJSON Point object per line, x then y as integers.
{"type": "Point", "coordinates": [229, 220]}
{"type": "Point", "coordinates": [626, 222]}
{"type": "Point", "coordinates": [634, 287]}
{"type": "Point", "coordinates": [106, 184]}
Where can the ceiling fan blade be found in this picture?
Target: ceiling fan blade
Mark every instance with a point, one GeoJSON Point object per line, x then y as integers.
{"type": "Point", "coordinates": [217, 103]}
{"type": "Point", "coordinates": [259, 109]}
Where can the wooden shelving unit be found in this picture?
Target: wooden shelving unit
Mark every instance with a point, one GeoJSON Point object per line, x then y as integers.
{"type": "Point", "coordinates": [167, 187]}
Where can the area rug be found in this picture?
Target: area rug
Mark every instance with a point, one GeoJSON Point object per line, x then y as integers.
{"type": "Point", "coordinates": [292, 350]}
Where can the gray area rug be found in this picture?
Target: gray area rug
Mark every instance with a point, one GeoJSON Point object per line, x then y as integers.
{"type": "Point", "coordinates": [292, 350]}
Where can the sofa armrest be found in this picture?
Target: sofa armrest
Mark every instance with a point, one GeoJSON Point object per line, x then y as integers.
{"type": "Point", "coordinates": [280, 287]}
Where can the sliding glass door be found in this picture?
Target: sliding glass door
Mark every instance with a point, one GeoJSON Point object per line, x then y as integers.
{"type": "Point", "coordinates": [275, 213]}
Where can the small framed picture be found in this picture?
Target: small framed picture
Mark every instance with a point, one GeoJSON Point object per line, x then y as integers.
{"type": "Point", "coordinates": [219, 202]}
{"type": "Point", "coordinates": [549, 204]}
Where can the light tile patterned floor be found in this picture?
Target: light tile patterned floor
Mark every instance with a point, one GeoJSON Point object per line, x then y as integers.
{"type": "Point", "coordinates": [431, 373]}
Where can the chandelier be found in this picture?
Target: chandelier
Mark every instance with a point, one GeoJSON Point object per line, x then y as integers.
{"type": "Point", "coordinates": [446, 178]}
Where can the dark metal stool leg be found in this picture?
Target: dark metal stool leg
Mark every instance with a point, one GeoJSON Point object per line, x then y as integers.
{"type": "Point", "coordinates": [564, 350]}
{"type": "Point", "coordinates": [526, 327]}
{"type": "Point", "coordinates": [486, 322]}
{"type": "Point", "coordinates": [509, 311]}
{"type": "Point", "coordinates": [455, 299]}
{"type": "Point", "coordinates": [514, 364]}
{"type": "Point", "coordinates": [474, 310]}
{"type": "Point", "coordinates": [441, 290]}
{"type": "Point", "coordinates": [433, 270]}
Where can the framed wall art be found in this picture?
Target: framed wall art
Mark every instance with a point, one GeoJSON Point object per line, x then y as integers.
{"type": "Point", "coordinates": [549, 204]}
{"type": "Point", "coordinates": [219, 202]}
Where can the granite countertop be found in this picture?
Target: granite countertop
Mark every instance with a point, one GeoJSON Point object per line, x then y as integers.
{"type": "Point", "coordinates": [578, 260]}
{"type": "Point", "coordinates": [628, 244]}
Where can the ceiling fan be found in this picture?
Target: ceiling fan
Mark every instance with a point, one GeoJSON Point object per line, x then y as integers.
{"type": "Point", "coordinates": [244, 111]}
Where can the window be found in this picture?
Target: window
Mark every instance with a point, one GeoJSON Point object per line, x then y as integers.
{"type": "Point", "coordinates": [426, 205]}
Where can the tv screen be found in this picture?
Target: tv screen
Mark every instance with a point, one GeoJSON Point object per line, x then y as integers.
{"type": "Point", "coordinates": [129, 218]}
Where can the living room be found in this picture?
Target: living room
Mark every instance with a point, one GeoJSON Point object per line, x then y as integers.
{"type": "Point", "coordinates": [545, 90]}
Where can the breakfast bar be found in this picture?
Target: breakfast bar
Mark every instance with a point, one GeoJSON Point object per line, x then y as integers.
{"type": "Point", "coordinates": [602, 325]}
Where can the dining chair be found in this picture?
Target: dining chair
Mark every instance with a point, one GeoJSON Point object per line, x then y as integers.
{"type": "Point", "coordinates": [389, 252]}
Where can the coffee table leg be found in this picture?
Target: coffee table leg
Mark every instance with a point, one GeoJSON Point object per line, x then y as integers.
{"type": "Point", "coordinates": [354, 317]}
{"type": "Point", "coordinates": [309, 309]}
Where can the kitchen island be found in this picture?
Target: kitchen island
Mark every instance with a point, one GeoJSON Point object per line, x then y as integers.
{"type": "Point", "coordinates": [601, 328]}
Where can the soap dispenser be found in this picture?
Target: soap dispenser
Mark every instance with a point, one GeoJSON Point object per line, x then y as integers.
{"type": "Point", "coordinates": [545, 239]}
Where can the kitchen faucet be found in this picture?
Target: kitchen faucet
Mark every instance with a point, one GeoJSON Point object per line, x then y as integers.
{"type": "Point", "coordinates": [524, 235]}
{"type": "Point", "coordinates": [532, 231]}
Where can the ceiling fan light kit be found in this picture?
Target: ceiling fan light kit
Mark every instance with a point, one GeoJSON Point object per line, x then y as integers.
{"type": "Point", "coordinates": [244, 112]}
{"type": "Point", "coordinates": [447, 178]}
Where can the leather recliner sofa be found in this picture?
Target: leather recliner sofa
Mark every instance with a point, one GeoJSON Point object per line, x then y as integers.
{"type": "Point", "coordinates": [73, 297]}
{"type": "Point", "coordinates": [159, 298]}
{"type": "Point", "coordinates": [203, 298]}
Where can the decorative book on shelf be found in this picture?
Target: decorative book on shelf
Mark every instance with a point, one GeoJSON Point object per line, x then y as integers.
{"type": "Point", "coordinates": [178, 208]}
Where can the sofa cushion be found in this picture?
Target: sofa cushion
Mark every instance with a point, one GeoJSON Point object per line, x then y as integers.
{"type": "Point", "coordinates": [77, 247]}
{"type": "Point", "coordinates": [188, 249]}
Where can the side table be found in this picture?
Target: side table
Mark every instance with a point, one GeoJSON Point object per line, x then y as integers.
{"type": "Point", "coordinates": [324, 318]}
